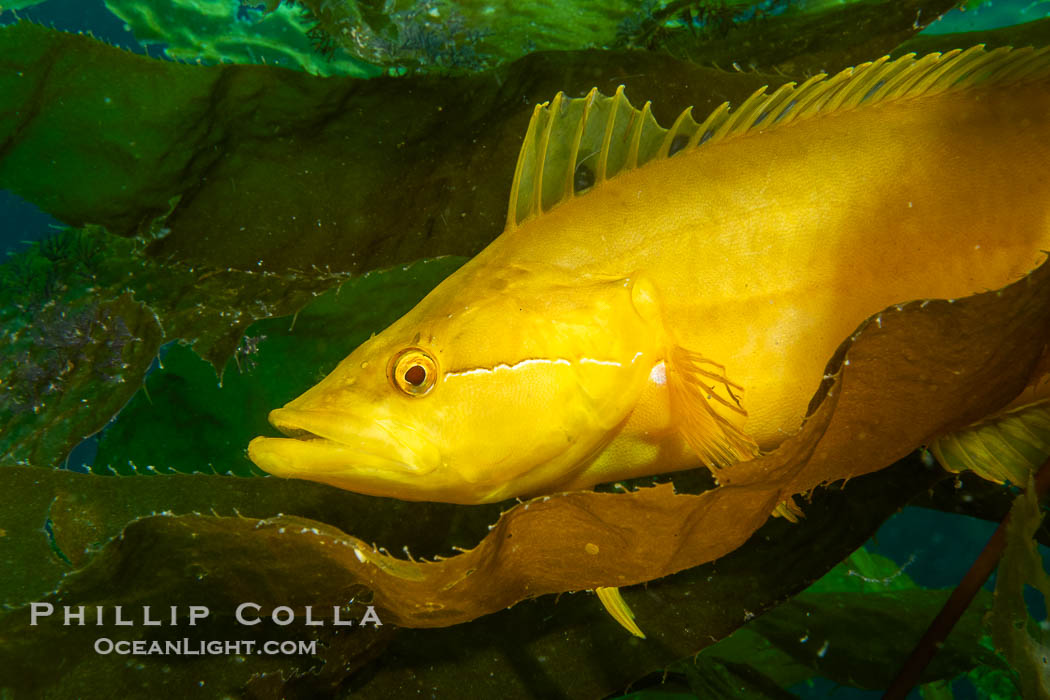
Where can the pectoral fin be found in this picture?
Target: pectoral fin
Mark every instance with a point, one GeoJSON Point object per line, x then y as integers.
{"type": "Point", "coordinates": [1005, 447]}
{"type": "Point", "coordinates": [707, 408]}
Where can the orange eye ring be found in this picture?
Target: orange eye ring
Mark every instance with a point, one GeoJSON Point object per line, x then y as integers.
{"type": "Point", "coordinates": [413, 371]}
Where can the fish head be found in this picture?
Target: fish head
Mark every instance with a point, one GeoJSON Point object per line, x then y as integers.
{"type": "Point", "coordinates": [487, 390]}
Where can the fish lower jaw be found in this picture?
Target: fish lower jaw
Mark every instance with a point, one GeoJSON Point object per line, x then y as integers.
{"type": "Point", "coordinates": [325, 442]}
{"type": "Point", "coordinates": [314, 457]}
{"type": "Point", "coordinates": [328, 462]}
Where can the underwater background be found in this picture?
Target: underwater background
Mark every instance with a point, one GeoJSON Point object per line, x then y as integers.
{"type": "Point", "coordinates": [189, 244]}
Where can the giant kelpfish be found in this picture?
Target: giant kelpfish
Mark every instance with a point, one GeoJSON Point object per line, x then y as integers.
{"type": "Point", "coordinates": [662, 298]}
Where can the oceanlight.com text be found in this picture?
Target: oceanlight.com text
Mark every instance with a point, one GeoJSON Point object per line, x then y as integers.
{"type": "Point", "coordinates": [198, 647]}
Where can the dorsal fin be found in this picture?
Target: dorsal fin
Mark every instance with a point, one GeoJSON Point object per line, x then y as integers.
{"type": "Point", "coordinates": [574, 144]}
{"type": "Point", "coordinates": [599, 136]}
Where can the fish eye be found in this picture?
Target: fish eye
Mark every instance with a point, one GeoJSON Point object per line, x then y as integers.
{"type": "Point", "coordinates": [413, 371]}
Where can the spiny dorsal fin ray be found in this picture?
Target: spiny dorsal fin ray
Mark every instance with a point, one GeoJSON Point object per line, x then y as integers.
{"type": "Point", "coordinates": [573, 144]}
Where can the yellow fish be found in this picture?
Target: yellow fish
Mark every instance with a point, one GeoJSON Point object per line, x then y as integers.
{"type": "Point", "coordinates": [663, 298]}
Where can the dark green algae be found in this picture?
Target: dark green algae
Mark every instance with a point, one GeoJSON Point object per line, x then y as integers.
{"type": "Point", "coordinates": [544, 647]}
{"type": "Point", "coordinates": [223, 204]}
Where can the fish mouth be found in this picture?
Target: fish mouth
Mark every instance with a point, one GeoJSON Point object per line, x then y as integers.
{"type": "Point", "coordinates": [298, 433]}
{"type": "Point", "coordinates": [323, 446]}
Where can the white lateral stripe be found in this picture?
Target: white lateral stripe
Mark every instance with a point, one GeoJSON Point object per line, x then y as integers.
{"type": "Point", "coordinates": [537, 361]}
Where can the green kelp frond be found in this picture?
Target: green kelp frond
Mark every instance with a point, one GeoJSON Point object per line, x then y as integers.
{"type": "Point", "coordinates": [854, 627]}
{"type": "Point", "coordinates": [18, 4]}
{"type": "Point", "coordinates": [427, 35]}
{"type": "Point", "coordinates": [229, 31]}
{"type": "Point", "coordinates": [277, 357]}
{"type": "Point", "coordinates": [777, 36]}
{"type": "Point", "coordinates": [70, 355]}
{"type": "Point", "coordinates": [244, 551]}
{"type": "Point", "coordinates": [471, 35]}
{"type": "Point", "coordinates": [83, 315]}
{"type": "Point", "coordinates": [1023, 640]}
{"type": "Point", "coordinates": [390, 177]}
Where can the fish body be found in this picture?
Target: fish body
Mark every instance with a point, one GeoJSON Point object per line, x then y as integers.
{"type": "Point", "coordinates": [683, 310]}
